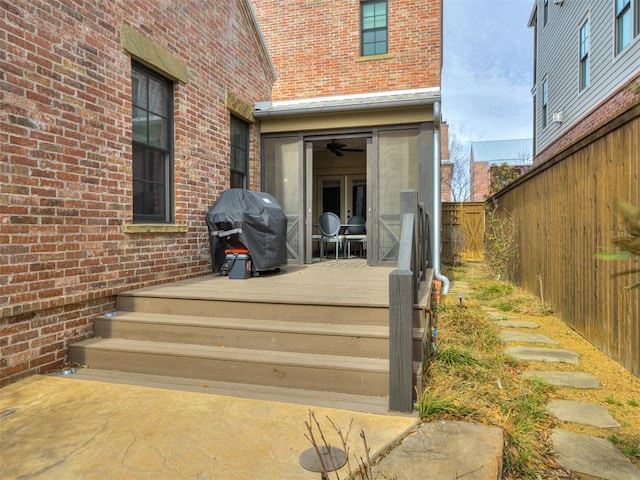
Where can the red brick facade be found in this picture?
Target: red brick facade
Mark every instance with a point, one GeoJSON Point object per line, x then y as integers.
{"type": "Point", "coordinates": [65, 164]}
{"type": "Point", "coordinates": [330, 62]}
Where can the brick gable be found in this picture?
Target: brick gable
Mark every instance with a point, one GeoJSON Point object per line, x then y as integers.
{"type": "Point", "coordinates": [315, 47]}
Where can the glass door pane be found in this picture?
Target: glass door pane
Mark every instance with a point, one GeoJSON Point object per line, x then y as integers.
{"type": "Point", "coordinates": [282, 178]}
{"type": "Point", "coordinates": [358, 198]}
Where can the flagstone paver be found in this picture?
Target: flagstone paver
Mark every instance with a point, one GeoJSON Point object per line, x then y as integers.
{"type": "Point", "coordinates": [592, 456]}
{"type": "Point", "coordinates": [526, 337]}
{"type": "Point", "coordinates": [582, 413]}
{"type": "Point", "coordinates": [541, 354]}
{"type": "Point", "coordinates": [516, 324]}
{"type": "Point", "coordinates": [565, 379]}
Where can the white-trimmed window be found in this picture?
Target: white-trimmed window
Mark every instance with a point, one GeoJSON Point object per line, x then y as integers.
{"type": "Point", "coordinates": [545, 95]}
{"type": "Point", "coordinates": [584, 55]}
{"type": "Point", "coordinates": [624, 24]}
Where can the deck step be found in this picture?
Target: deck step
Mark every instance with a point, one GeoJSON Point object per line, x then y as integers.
{"type": "Point", "coordinates": [274, 310]}
{"type": "Point", "coordinates": [360, 376]}
{"type": "Point", "coordinates": [305, 337]}
{"type": "Point", "coordinates": [344, 401]}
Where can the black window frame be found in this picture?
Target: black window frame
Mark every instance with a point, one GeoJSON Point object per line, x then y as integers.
{"type": "Point", "coordinates": [377, 32]}
{"type": "Point", "coordinates": [152, 162]}
{"type": "Point", "coordinates": [239, 134]}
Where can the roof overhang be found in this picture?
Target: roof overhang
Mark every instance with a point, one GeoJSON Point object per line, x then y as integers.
{"type": "Point", "coordinates": [348, 103]}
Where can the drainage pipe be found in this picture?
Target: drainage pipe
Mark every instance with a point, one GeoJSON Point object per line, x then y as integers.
{"type": "Point", "coordinates": [437, 202]}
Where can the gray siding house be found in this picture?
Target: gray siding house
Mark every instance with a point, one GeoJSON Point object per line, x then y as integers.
{"type": "Point", "coordinates": [585, 51]}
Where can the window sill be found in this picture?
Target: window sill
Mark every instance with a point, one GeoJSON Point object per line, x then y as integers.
{"type": "Point", "coordinates": [155, 228]}
{"type": "Point", "coordinates": [369, 58]}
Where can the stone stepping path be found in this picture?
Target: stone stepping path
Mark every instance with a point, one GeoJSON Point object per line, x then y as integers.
{"type": "Point", "coordinates": [592, 456]}
{"type": "Point", "coordinates": [582, 413]}
{"type": "Point", "coordinates": [582, 454]}
{"type": "Point", "coordinates": [516, 336]}
{"type": "Point", "coordinates": [565, 379]}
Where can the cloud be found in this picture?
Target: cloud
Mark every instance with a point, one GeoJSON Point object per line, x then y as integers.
{"type": "Point", "coordinates": [487, 69]}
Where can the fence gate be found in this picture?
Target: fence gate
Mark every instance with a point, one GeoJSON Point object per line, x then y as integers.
{"type": "Point", "coordinates": [462, 231]}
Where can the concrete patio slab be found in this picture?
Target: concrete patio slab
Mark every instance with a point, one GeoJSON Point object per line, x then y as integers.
{"type": "Point", "coordinates": [52, 427]}
{"type": "Point", "coordinates": [565, 379]}
{"type": "Point", "coordinates": [583, 413]}
{"type": "Point", "coordinates": [540, 354]}
{"type": "Point", "coordinates": [447, 450]}
{"type": "Point", "coordinates": [592, 456]}
{"type": "Point", "coordinates": [526, 337]}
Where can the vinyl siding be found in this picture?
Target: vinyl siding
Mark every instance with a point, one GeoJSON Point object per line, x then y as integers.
{"type": "Point", "coordinates": [558, 60]}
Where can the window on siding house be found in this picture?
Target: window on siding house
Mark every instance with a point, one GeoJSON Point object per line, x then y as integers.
{"type": "Point", "coordinates": [152, 125]}
{"type": "Point", "coordinates": [584, 55]}
{"type": "Point", "coordinates": [637, 13]}
{"type": "Point", "coordinates": [239, 152]}
{"type": "Point", "coordinates": [373, 27]}
{"type": "Point", "coordinates": [624, 21]}
{"type": "Point", "coordinates": [544, 104]}
{"type": "Point", "coordinates": [545, 13]}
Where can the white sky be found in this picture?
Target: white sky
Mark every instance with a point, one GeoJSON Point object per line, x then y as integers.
{"type": "Point", "coordinates": [487, 72]}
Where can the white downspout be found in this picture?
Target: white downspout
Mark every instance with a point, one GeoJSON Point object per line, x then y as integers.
{"type": "Point", "coordinates": [437, 206]}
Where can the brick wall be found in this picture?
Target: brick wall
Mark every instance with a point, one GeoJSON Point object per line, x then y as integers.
{"type": "Point", "coordinates": [479, 181]}
{"type": "Point", "coordinates": [330, 64]}
{"type": "Point", "coordinates": [65, 164]}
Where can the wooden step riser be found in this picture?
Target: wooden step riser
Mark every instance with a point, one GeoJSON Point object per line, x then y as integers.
{"type": "Point", "coordinates": [329, 344]}
{"type": "Point", "coordinates": [215, 369]}
{"type": "Point", "coordinates": [354, 315]}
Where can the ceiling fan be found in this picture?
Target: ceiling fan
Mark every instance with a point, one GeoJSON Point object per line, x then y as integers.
{"type": "Point", "coordinates": [338, 148]}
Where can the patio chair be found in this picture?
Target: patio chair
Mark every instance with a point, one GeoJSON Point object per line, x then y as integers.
{"type": "Point", "coordinates": [356, 233]}
{"type": "Point", "coordinates": [329, 225]}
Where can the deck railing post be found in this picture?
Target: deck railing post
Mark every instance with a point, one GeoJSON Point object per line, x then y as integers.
{"type": "Point", "coordinates": [401, 286]}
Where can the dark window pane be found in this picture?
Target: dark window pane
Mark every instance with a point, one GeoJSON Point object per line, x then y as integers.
{"type": "Point", "coordinates": [139, 88]}
{"type": "Point", "coordinates": [158, 97]}
{"type": "Point", "coordinates": [237, 180]}
{"type": "Point", "coordinates": [158, 131]}
{"type": "Point", "coordinates": [139, 125]}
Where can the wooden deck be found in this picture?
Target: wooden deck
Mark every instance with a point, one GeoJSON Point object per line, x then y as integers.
{"type": "Point", "coordinates": [330, 282]}
{"type": "Point", "coordinates": [322, 329]}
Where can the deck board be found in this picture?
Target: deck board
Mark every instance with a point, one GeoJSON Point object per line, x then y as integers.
{"type": "Point", "coordinates": [330, 282]}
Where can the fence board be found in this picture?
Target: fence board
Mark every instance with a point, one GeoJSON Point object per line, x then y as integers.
{"type": "Point", "coordinates": [565, 212]}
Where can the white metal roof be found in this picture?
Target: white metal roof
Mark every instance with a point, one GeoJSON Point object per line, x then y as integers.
{"type": "Point", "coordinates": [518, 152]}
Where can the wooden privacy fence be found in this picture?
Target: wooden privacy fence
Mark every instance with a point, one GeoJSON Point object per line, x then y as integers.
{"type": "Point", "coordinates": [462, 231]}
{"type": "Point", "coordinates": [565, 214]}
